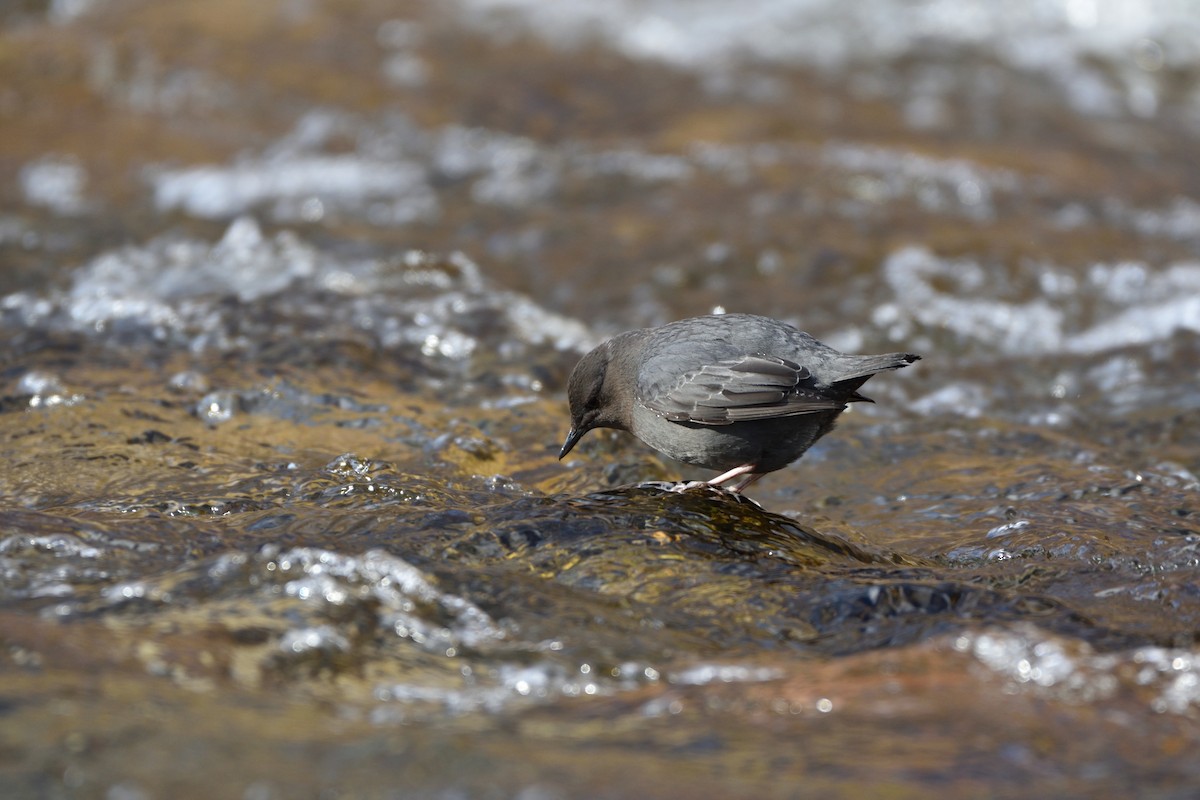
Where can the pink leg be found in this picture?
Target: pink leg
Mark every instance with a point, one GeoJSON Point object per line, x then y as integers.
{"type": "Point", "coordinates": [733, 473]}
{"type": "Point", "coordinates": [745, 484]}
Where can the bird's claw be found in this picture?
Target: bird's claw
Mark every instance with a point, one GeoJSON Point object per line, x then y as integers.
{"type": "Point", "coordinates": [684, 486]}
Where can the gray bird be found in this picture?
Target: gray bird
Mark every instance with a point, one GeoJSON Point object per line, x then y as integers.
{"type": "Point", "coordinates": [742, 394]}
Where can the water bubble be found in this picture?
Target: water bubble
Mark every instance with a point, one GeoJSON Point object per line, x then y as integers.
{"type": "Point", "coordinates": [217, 407]}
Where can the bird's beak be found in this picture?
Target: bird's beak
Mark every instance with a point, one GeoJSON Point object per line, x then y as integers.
{"type": "Point", "coordinates": [573, 437]}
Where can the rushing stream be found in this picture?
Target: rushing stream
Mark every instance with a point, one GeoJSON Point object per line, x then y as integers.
{"type": "Point", "coordinates": [289, 292]}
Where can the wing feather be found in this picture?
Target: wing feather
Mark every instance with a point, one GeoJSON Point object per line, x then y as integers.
{"type": "Point", "coordinates": [751, 387]}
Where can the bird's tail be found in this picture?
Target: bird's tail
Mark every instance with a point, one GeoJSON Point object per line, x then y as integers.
{"type": "Point", "coordinates": [865, 366]}
{"type": "Point", "coordinates": [859, 368]}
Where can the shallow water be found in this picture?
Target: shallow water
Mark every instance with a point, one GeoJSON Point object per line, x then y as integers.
{"type": "Point", "coordinates": [288, 323]}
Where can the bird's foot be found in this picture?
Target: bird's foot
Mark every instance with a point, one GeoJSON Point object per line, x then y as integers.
{"type": "Point", "coordinates": [683, 486]}
{"type": "Point", "coordinates": [679, 487]}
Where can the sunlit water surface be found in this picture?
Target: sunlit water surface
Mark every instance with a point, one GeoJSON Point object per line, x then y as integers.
{"type": "Point", "coordinates": [288, 323]}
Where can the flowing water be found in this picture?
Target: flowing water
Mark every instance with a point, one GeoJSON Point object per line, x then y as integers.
{"type": "Point", "coordinates": [289, 294]}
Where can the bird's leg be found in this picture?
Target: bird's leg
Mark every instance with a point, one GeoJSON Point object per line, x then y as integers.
{"type": "Point", "coordinates": [724, 477]}
{"type": "Point", "coordinates": [733, 473]}
{"type": "Point", "coordinates": [746, 482]}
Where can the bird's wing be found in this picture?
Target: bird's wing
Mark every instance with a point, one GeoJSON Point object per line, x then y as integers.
{"type": "Point", "coordinates": [751, 387]}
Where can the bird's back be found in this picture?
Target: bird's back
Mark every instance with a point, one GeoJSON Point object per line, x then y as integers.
{"type": "Point", "coordinates": [692, 344]}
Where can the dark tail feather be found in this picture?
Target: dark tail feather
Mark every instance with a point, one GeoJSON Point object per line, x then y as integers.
{"type": "Point", "coordinates": [861, 368]}
{"type": "Point", "coordinates": [866, 366]}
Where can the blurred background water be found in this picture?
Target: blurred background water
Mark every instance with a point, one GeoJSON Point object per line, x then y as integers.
{"type": "Point", "coordinates": [289, 293]}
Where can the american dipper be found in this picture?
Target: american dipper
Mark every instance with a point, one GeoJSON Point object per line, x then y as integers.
{"type": "Point", "coordinates": [739, 393]}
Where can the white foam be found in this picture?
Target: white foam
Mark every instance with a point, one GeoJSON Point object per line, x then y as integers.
{"type": "Point", "coordinates": [55, 183]}
{"type": "Point", "coordinates": [1045, 35]}
{"type": "Point", "coordinates": [1135, 304]}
